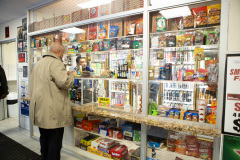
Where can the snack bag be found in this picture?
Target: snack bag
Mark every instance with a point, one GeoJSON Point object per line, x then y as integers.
{"type": "Point", "coordinates": [202, 75]}
{"type": "Point", "coordinates": [176, 114]}
{"type": "Point", "coordinates": [198, 40]}
{"type": "Point", "coordinates": [161, 24]}
{"type": "Point", "coordinates": [103, 27]}
{"type": "Point", "coordinates": [188, 41]}
{"type": "Point", "coordinates": [93, 12]}
{"type": "Point", "coordinates": [212, 38]}
{"type": "Point", "coordinates": [83, 35]}
{"type": "Point", "coordinates": [139, 26]}
{"type": "Point", "coordinates": [200, 14]}
{"type": "Point", "coordinates": [188, 22]}
{"type": "Point", "coordinates": [92, 32]}
{"type": "Point", "coordinates": [199, 54]}
{"type": "Point", "coordinates": [107, 45]}
{"type": "Point", "coordinates": [162, 41]}
{"type": "Point", "coordinates": [181, 149]}
{"type": "Point", "coordinates": [188, 116]}
{"type": "Point", "coordinates": [95, 47]}
{"type": "Point", "coordinates": [101, 46]}
{"type": "Point", "coordinates": [193, 152]}
{"type": "Point", "coordinates": [180, 40]}
{"type": "Point", "coordinates": [205, 153]}
{"type": "Point", "coordinates": [195, 117]}
{"type": "Point", "coordinates": [189, 75]}
{"type": "Point", "coordinates": [155, 42]}
{"type": "Point", "coordinates": [131, 29]}
{"type": "Point", "coordinates": [171, 41]}
{"type": "Point", "coordinates": [113, 31]}
{"type": "Point", "coordinates": [191, 141]}
{"type": "Point", "coordinates": [214, 12]}
{"type": "Point", "coordinates": [205, 144]}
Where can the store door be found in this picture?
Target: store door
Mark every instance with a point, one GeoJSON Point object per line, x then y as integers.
{"type": "Point", "coordinates": [9, 63]}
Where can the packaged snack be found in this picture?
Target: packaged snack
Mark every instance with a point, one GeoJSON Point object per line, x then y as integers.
{"type": "Point", "coordinates": [193, 152]}
{"type": "Point", "coordinates": [101, 46]}
{"type": "Point", "coordinates": [126, 44]}
{"type": "Point", "coordinates": [89, 47]}
{"type": "Point", "coordinates": [95, 143]}
{"type": "Point", "coordinates": [205, 144]}
{"type": "Point", "coordinates": [135, 44]}
{"type": "Point", "coordinates": [95, 47]}
{"type": "Point", "coordinates": [198, 38]}
{"type": "Point", "coordinates": [202, 75]}
{"type": "Point", "coordinates": [82, 36]}
{"type": "Point", "coordinates": [170, 113]}
{"type": "Point", "coordinates": [93, 12]}
{"type": "Point", "coordinates": [200, 14]}
{"type": "Point", "coordinates": [106, 143]}
{"type": "Point", "coordinates": [171, 144]}
{"type": "Point", "coordinates": [113, 31]}
{"type": "Point", "coordinates": [161, 24]}
{"type": "Point", "coordinates": [180, 149]}
{"type": "Point", "coordinates": [214, 12]}
{"type": "Point", "coordinates": [176, 113]}
{"type": "Point", "coordinates": [155, 42]}
{"type": "Point", "coordinates": [180, 40]}
{"type": "Point", "coordinates": [72, 37]}
{"type": "Point", "coordinates": [188, 22]}
{"type": "Point", "coordinates": [191, 141]}
{"type": "Point", "coordinates": [33, 42]}
{"type": "Point", "coordinates": [205, 153]}
{"type": "Point", "coordinates": [104, 9]}
{"type": "Point", "coordinates": [38, 42]}
{"type": "Point", "coordinates": [84, 48]}
{"type": "Point", "coordinates": [139, 26]}
{"type": "Point", "coordinates": [107, 45]}
{"type": "Point", "coordinates": [212, 38]}
{"type": "Point", "coordinates": [189, 73]}
{"type": "Point", "coordinates": [180, 140]}
{"type": "Point", "coordinates": [188, 41]}
{"type": "Point", "coordinates": [113, 46]}
{"type": "Point", "coordinates": [50, 41]}
{"type": "Point", "coordinates": [43, 41]}
{"type": "Point", "coordinates": [162, 41]}
{"type": "Point", "coordinates": [188, 116]}
{"type": "Point", "coordinates": [171, 41]}
{"type": "Point", "coordinates": [103, 27]}
{"type": "Point", "coordinates": [131, 29]}
{"type": "Point", "coordinates": [119, 44]}
{"type": "Point", "coordinates": [179, 23]}
{"type": "Point", "coordinates": [119, 151]}
{"type": "Point", "coordinates": [92, 32]}
{"type": "Point", "coordinates": [195, 117]}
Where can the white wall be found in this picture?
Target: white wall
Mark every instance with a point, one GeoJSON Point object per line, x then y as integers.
{"type": "Point", "coordinates": [12, 28]}
{"type": "Point", "coordinates": [234, 26]}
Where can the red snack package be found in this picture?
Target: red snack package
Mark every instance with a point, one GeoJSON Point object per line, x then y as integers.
{"type": "Point", "coordinates": [119, 151]}
{"type": "Point", "coordinates": [95, 47]}
{"type": "Point", "coordinates": [93, 12]}
{"type": "Point", "coordinates": [189, 75]}
{"type": "Point", "coordinates": [205, 153]}
{"type": "Point", "coordinates": [200, 14]}
{"type": "Point", "coordinates": [193, 152]}
{"type": "Point", "coordinates": [205, 144]}
{"type": "Point", "coordinates": [180, 149]}
{"type": "Point", "coordinates": [92, 32]}
{"type": "Point", "coordinates": [191, 141]}
{"type": "Point", "coordinates": [139, 26]}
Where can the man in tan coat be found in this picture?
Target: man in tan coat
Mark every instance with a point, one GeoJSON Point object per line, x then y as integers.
{"type": "Point", "coordinates": [50, 108]}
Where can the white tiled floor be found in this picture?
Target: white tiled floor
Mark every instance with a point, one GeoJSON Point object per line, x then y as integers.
{"type": "Point", "coordinates": [10, 128]}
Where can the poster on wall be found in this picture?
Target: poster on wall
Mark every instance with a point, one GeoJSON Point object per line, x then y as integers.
{"type": "Point", "coordinates": [24, 24]}
{"type": "Point", "coordinates": [231, 105]}
{"type": "Point", "coordinates": [7, 32]}
{"type": "Point", "coordinates": [231, 148]}
{"type": "Point", "coordinates": [20, 33]}
{"type": "Point", "coordinates": [22, 57]}
{"type": "Point", "coordinates": [20, 46]}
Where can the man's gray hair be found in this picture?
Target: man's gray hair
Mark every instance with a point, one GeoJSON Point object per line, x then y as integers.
{"type": "Point", "coordinates": [57, 47]}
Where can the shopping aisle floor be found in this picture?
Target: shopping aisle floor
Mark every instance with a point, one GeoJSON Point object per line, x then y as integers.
{"type": "Point", "coordinates": [10, 128]}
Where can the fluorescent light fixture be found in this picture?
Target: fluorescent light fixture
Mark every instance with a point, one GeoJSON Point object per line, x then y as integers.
{"type": "Point", "coordinates": [73, 30]}
{"type": "Point", "coordinates": [176, 12]}
{"type": "Point", "coordinates": [93, 3]}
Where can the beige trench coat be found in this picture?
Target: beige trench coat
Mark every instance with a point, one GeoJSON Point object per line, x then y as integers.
{"type": "Point", "coordinates": [50, 102]}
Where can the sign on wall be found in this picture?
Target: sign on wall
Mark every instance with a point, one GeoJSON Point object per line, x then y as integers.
{"type": "Point", "coordinates": [7, 32]}
{"type": "Point", "coordinates": [231, 109]}
{"type": "Point", "coordinates": [231, 148]}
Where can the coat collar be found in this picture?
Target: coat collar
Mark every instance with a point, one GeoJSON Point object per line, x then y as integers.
{"type": "Point", "coordinates": [51, 54]}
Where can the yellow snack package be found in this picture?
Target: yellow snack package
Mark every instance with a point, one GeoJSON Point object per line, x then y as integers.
{"type": "Point", "coordinates": [180, 40]}
{"type": "Point", "coordinates": [214, 12]}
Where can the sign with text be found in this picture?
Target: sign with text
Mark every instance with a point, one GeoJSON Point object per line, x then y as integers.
{"type": "Point", "coordinates": [231, 148]}
{"type": "Point", "coordinates": [231, 112]}
{"type": "Point", "coordinates": [103, 102]}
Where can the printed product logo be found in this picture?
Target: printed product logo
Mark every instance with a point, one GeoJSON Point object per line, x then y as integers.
{"type": "Point", "coordinates": [237, 151]}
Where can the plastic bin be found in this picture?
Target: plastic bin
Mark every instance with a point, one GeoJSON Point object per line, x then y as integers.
{"type": "Point", "coordinates": [12, 105]}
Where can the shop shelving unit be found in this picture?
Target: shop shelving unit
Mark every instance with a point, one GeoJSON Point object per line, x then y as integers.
{"type": "Point", "coordinates": [144, 118]}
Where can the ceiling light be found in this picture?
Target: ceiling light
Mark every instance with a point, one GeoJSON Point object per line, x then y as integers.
{"type": "Point", "coordinates": [176, 12]}
{"type": "Point", "coordinates": [93, 3]}
{"type": "Point", "coordinates": [73, 30]}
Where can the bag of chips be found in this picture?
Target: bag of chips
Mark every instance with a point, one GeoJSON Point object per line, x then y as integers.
{"type": "Point", "coordinates": [113, 31]}
{"type": "Point", "coordinates": [214, 12]}
{"type": "Point", "coordinates": [92, 32]}
{"type": "Point", "coordinates": [180, 40]}
{"type": "Point", "coordinates": [83, 35]}
{"type": "Point", "coordinates": [103, 27]}
{"type": "Point", "coordinates": [161, 24]}
{"type": "Point", "coordinates": [188, 22]}
{"type": "Point", "coordinates": [131, 29]}
{"type": "Point", "coordinates": [139, 26]}
{"type": "Point", "coordinates": [200, 14]}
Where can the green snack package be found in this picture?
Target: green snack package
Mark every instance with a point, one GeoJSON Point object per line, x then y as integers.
{"type": "Point", "coordinates": [135, 44]}
{"type": "Point", "coordinates": [161, 24]}
{"type": "Point", "coordinates": [212, 38]}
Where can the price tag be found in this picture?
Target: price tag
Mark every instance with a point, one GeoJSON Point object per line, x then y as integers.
{"type": "Point", "coordinates": [103, 102]}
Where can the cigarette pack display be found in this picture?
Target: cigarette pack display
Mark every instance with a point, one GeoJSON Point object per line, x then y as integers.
{"type": "Point", "coordinates": [119, 151]}
{"type": "Point", "coordinates": [104, 9]}
{"type": "Point", "coordinates": [96, 142]}
{"type": "Point", "coordinates": [93, 12]}
{"type": "Point", "coordinates": [107, 143]}
{"type": "Point", "coordinates": [171, 41]}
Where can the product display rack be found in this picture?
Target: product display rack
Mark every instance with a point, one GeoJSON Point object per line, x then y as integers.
{"type": "Point", "coordinates": [167, 123]}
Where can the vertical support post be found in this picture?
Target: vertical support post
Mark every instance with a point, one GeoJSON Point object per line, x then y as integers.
{"type": "Point", "coordinates": [145, 87]}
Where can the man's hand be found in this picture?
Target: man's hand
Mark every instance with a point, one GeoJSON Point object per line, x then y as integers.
{"type": "Point", "coordinates": [3, 96]}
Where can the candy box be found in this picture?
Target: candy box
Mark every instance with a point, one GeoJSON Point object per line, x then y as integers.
{"type": "Point", "coordinates": [188, 40]}
{"type": "Point", "coordinates": [193, 152]}
{"type": "Point", "coordinates": [161, 24]}
{"type": "Point", "coordinates": [88, 125]}
{"type": "Point", "coordinates": [135, 44]}
{"type": "Point", "coordinates": [107, 150]}
{"type": "Point", "coordinates": [83, 147]}
{"type": "Point", "coordinates": [106, 143]}
{"type": "Point", "coordinates": [87, 140]}
{"type": "Point", "coordinates": [119, 151]}
{"type": "Point", "coordinates": [191, 141]}
{"type": "Point", "coordinates": [180, 40]}
{"type": "Point", "coordinates": [199, 38]}
{"type": "Point", "coordinates": [128, 131]}
{"type": "Point", "coordinates": [137, 135]}
{"type": "Point", "coordinates": [113, 132]}
{"type": "Point", "coordinates": [136, 154]}
{"type": "Point", "coordinates": [79, 124]}
{"type": "Point", "coordinates": [96, 142]}
{"type": "Point", "coordinates": [162, 42]}
{"type": "Point", "coordinates": [205, 144]}
{"type": "Point", "coordinates": [127, 44]}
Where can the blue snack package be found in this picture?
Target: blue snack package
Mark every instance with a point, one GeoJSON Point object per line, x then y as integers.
{"type": "Point", "coordinates": [176, 113]}
{"type": "Point", "coordinates": [188, 116]}
{"type": "Point", "coordinates": [170, 113]}
{"type": "Point", "coordinates": [113, 31]}
{"type": "Point", "coordinates": [107, 45]}
{"type": "Point", "coordinates": [195, 117]}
